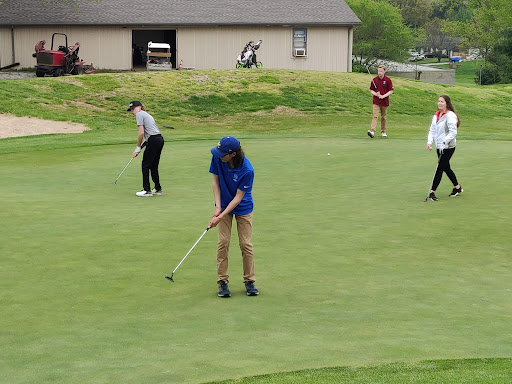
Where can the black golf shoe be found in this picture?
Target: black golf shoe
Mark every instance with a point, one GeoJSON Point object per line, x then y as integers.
{"type": "Point", "coordinates": [432, 196]}
{"type": "Point", "coordinates": [456, 192]}
{"type": "Point", "coordinates": [251, 289]}
{"type": "Point", "coordinates": [223, 289]}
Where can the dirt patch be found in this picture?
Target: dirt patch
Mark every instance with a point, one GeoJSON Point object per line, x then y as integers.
{"type": "Point", "coordinates": [13, 75]}
{"type": "Point", "coordinates": [281, 110]}
{"type": "Point", "coordinates": [14, 126]}
{"type": "Point", "coordinates": [200, 78]}
{"type": "Point", "coordinates": [89, 106]}
{"type": "Point", "coordinates": [71, 80]}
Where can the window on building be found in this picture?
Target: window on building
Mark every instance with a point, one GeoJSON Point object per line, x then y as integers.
{"type": "Point", "coordinates": [300, 42]}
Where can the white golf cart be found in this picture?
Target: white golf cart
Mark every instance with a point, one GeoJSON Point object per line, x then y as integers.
{"type": "Point", "coordinates": [158, 57]}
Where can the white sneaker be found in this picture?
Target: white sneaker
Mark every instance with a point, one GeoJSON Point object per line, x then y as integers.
{"type": "Point", "coordinates": [144, 193]}
{"type": "Point", "coordinates": [383, 134]}
{"type": "Point", "coordinates": [371, 134]}
{"type": "Point", "coordinates": [155, 192]}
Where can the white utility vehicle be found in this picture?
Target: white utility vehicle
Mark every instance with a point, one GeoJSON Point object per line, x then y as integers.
{"type": "Point", "coordinates": [415, 56]}
{"type": "Point", "coordinates": [158, 57]}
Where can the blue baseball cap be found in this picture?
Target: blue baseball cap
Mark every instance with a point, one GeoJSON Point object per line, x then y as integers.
{"type": "Point", "coordinates": [227, 144]}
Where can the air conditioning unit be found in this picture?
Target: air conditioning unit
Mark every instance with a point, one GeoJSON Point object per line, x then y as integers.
{"type": "Point", "coordinates": [299, 52]}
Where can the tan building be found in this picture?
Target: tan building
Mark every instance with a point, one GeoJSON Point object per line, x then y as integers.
{"type": "Point", "coordinates": [203, 34]}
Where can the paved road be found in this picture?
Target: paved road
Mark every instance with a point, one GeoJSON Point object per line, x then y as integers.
{"type": "Point", "coordinates": [393, 66]}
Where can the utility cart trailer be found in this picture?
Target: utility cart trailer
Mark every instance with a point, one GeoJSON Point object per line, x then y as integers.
{"type": "Point", "coordinates": [158, 57]}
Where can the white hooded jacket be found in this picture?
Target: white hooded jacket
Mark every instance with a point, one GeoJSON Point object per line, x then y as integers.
{"type": "Point", "coordinates": [443, 131]}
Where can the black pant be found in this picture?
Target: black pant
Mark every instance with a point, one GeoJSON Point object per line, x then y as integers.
{"type": "Point", "coordinates": [443, 165]}
{"type": "Point", "coordinates": [150, 162]}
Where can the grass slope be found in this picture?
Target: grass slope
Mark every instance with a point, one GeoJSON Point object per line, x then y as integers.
{"type": "Point", "coordinates": [476, 371]}
{"type": "Point", "coordinates": [204, 104]}
{"type": "Point", "coordinates": [354, 270]}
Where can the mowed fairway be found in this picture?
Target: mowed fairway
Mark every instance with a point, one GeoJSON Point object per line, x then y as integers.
{"type": "Point", "coordinates": [353, 268]}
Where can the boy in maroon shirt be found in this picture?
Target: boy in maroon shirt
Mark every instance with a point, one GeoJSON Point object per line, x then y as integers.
{"type": "Point", "coordinates": [381, 88]}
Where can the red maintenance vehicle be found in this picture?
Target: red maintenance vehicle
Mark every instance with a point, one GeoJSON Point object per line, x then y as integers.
{"type": "Point", "coordinates": [63, 61]}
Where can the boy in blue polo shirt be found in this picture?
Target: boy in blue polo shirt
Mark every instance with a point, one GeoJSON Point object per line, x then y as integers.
{"type": "Point", "coordinates": [233, 176]}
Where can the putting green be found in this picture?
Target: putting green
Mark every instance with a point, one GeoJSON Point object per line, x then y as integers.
{"type": "Point", "coordinates": [353, 268]}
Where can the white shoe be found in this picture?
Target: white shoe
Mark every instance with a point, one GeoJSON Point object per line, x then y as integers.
{"type": "Point", "coordinates": [383, 134]}
{"type": "Point", "coordinates": [371, 134]}
{"type": "Point", "coordinates": [144, 193]}
{"type": "Point", "coordinates": [155, 192]}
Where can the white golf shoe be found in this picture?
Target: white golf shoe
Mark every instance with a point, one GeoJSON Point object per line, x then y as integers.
{"type": "Point", "coordinates": [383, 134]}
{"type": "Point", "coordinates": [144, 193]}
{"type": "Point", "coordinates": [155, 192]}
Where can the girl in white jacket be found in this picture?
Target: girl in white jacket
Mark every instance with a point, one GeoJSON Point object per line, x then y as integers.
{"type": "Point", "coordinates": [443, 131]}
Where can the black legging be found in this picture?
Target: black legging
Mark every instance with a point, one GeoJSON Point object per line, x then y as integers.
{"type": "Point", "coordinates": [443, 165]}
{"type": "Point", "coordinates": [150, 161]}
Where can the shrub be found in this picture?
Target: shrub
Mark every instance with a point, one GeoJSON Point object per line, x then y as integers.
{"type": "Point", "coordinates": [490, 74]}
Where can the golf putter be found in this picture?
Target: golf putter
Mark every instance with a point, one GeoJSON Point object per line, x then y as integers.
{"type": "Point", "coordinates": [368, 69]}
{"type": "Point", "coordinates": [428, 194]}
{"type": "Point", "coordinates": [172, 274]}
{"type": "Point", "coordinates": [115, 182]}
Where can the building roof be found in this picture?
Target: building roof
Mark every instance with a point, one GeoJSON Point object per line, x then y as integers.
{"type": "Point", "coordinates": [175, 13]}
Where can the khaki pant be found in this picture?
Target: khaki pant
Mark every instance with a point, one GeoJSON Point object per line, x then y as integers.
{"type": "Point", "coordinates": [244, 229]}
{"type": "Point", "coordinates": [375, 117]}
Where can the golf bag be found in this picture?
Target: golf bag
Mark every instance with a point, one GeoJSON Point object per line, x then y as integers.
{"type": "Point", "coordinates": [247, 58]}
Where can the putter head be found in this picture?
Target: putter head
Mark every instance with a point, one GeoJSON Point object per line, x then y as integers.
{"type": "Point", "coordinates": [114, 183]}
{"type": "Point", "coordinates": [170, 278]}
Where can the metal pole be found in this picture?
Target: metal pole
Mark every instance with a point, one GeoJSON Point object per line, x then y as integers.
{"type": "Point", "coordinates": [12, 43]}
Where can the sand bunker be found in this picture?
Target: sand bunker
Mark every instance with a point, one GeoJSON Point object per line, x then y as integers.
{"type": "Point", "coordinates": [14, 126]}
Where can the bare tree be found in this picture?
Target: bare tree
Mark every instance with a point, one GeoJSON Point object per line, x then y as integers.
{"type": "Point", "coordinates": [438, 37]}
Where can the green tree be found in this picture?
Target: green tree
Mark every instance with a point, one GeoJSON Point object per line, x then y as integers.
{"type": "Point", "coordinates": [490, 17]}
{"type": "Point", "coordinates": [454, 10]}
{"type": "Point", "coordinates": [500, 57]}
{"type": "Point", "coordinates": [415, 13]}
{"type": "Point", "coordinates": [382, 34]}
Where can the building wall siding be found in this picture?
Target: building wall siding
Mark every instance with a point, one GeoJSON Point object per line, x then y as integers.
{"type": "Point", "coordinates": [210, 47]}
{"type": "Point", "coordinates": [5, 47]}
{"type": "Point", "coordinates": [329, 48]}
{"type": "Point", "coordinates": [105, 47]}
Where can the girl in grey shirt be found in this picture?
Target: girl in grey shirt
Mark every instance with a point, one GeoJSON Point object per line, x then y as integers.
{"type": "Point", "coordinates": [154, 142]}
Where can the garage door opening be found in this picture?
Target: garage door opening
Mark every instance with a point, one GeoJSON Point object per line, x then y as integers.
{"type": "Point", "coordinates": [140, 40]}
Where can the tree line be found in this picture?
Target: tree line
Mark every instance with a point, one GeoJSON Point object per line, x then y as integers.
{"type": "Point", "coordinates": [390, 27]}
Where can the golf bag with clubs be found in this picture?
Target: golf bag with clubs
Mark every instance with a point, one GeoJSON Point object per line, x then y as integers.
{"type": "Point", "coordinates": [247, 58]}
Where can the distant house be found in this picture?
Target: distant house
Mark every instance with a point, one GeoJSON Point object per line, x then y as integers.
{"type": "Point", "coordinates": [203, 34]}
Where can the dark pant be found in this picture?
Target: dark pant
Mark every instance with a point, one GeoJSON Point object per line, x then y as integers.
{"type": "Point", "coordinates": [443, 165]}
{"type": "Point", "coordinates": [150, 162]}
